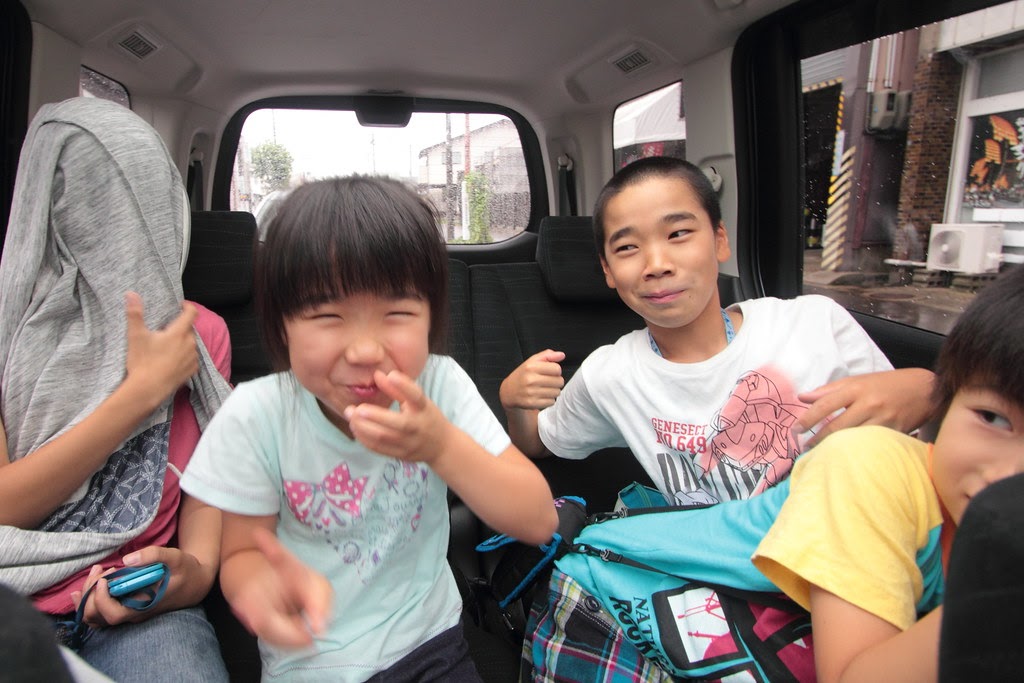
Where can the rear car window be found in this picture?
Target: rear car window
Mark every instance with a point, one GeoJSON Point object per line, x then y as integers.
{"type": "Point", "coordinates": [471, 166]}
{"type": "Point", "coordinates": [94, 84]}
{"type": "Point", "coordinates": [650, 125]}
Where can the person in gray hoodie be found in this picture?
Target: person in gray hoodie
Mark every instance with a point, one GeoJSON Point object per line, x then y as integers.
{"type": "Point", "coordinates": [107, 378]}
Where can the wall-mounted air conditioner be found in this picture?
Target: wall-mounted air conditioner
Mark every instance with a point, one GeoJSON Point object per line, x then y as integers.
{"type": "Point", "coordinates": [901, 116]}
{"type": "Point", "coordinates": [966, 247]}
{"type": "Point", "coordinates": [881, 109]}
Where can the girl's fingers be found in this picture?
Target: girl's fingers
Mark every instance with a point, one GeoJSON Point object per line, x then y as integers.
{"type": "Point", "coordinates": [375, 434]}
{"type": "Point", "coordinates": [400, 387]}
{"type": "Point", "coordinates": [286, 631]}
{"type": "Point", "coordinates": [306, 596]}
{"type": "Point", "coordinates": [316, 597]}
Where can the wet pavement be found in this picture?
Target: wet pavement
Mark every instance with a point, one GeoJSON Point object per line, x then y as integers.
{"type": "Point", "coordinates": [930, 308]}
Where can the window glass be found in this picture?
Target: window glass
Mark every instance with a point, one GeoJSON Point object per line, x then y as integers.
{"type": "Point", "coordinates": [914, 167]}
{"type": "Point", "coordinates": [650, 125]}
{"type": "Point", "coordinates": [1001, 73]}
{"type": "Point", "coordinates": [94, 84]}
{"type": "Point", "coordinates": [471, 166]}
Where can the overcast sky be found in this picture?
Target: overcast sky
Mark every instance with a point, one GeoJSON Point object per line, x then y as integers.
{"type": "Point", "coordinates": [328, 143]}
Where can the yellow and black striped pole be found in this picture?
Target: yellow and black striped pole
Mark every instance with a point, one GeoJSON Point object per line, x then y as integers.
{"type": "Point", "coordinates": [839, 189]}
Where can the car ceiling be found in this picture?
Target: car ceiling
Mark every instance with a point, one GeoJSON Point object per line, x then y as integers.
{"type": "Point", "coordinates": [551, 56]}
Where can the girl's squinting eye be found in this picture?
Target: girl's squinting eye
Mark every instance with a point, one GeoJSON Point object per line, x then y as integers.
{"type": "Point", "coordinates": [406, 306]}
{"type": "Point", "coordinates": [621, 248]}
{"type": "Point", "coordinates": [319, 313]}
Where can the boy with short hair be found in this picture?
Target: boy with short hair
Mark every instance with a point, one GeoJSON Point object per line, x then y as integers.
{"type": "Point", "coordinates": [708, 399]}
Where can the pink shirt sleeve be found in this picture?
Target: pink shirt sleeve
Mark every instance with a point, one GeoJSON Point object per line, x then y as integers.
{"type": "Point", "coordinates": [214, 332]}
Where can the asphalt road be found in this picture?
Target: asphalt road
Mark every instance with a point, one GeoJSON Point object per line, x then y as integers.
{"type": "Point", "coordinates": [931, 308]}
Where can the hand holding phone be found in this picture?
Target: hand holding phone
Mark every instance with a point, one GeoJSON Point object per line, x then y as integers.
{"type": "Point", "coordinates": [150, 579]}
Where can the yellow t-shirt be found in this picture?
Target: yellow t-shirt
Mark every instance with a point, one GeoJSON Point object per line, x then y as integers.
{"type": "Point", "coordinates": [862, 521]}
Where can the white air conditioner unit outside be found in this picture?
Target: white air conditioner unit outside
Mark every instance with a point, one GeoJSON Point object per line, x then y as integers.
{"type": "Point", "coordinates": [901, 116]}
{"type": "Point", "coordinates": [966, 247]}
{"type": "Point", "coordinates": [881, 109]}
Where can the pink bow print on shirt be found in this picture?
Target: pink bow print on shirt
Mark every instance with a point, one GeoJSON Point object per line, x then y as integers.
{"type": "Point", "coordinates": [335, 500]}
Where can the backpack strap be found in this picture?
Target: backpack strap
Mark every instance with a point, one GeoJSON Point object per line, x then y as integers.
{"type": "Point", "coordinates": [766, 598]}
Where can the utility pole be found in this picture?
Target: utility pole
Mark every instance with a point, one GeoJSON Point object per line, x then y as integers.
{"type": "Point", "coordinates": [469, 166]}
{"type": "Point", "coordinates": [449, 187]}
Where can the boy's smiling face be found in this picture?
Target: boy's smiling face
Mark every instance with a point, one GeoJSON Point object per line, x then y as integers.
{"type": "Point", "coordinates": [661, 254]}
{"type": "Point", "coordinates": [980, 441]}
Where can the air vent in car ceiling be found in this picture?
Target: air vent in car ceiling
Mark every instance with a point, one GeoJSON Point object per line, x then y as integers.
{"type": "Point", "coordinates": [138, 45]}
{"type": "Point", "coordinates": [632, 61]}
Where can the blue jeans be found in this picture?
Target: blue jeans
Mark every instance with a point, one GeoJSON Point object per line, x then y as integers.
{"type": "Point", "coordinates": [173, 647]}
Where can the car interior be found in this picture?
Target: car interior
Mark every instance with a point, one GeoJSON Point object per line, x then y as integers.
{"type": "Point", "coordinates": [510, 117]}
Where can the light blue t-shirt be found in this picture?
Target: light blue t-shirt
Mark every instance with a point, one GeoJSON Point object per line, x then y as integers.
{"type": "Point", "coordinates": [375, 526]}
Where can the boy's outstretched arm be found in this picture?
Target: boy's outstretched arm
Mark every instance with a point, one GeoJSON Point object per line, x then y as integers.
{"type": "Point", "coordinates": [900, 399]}
{"type": "Point", "coordinates": [507, 491]}
{"type": "Point", "coordinates": [853, 645]}
{"type": "Point", "coordinates": [276, 596]}
{"type": "Point", "coordinates": [528, 389]}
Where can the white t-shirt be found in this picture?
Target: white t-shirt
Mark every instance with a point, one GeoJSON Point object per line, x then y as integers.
{"type": "Point", "coordinates": [375, 526]}
{"type": "Point", "coordinates": [719, 429]}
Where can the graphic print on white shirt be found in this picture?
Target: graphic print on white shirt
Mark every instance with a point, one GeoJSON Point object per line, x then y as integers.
{"type": "Point", "coordinates": [747, 447]}
{"type": "Point", "coordinates": [362, 523]}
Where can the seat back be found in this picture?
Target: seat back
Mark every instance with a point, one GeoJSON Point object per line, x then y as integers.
{"type": "Point", "coordinates": [560, 302]}
{"type": "Point", "coordinates": [218, 275]}
{"type": "Point", "coordinates": [460, 323]}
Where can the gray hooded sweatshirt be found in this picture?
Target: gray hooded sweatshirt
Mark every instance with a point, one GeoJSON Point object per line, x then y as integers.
{"type": "Point", "coordinates": [99, 210]}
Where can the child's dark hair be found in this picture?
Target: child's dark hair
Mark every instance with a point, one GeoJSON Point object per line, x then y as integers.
{"type": "Point", "coordinates": [656, 167]}
{"type": "Point", "coordinates": [343, 236]}
{"type": "Point", "coordinates": [986, 346]}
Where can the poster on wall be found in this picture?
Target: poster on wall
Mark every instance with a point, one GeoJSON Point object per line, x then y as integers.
{"type": "Point", "coordinates": [995, 171]}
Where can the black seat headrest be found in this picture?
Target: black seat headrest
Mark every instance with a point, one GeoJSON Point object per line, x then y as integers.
{"type": "Point", "coordinates": [218, 272]}
{"type": "Point", "coordinates": [568, 261]}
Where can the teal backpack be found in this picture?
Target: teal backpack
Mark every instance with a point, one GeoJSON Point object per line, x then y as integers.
{"type": "Point", "coordinates": [680, 585]}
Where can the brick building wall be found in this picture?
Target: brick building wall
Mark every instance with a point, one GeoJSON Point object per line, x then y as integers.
{"type": "Point", "coordinates": [930, 135]}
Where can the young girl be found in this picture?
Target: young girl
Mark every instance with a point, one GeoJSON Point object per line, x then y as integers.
{"type": "Point", "coordinates": [332, 473]}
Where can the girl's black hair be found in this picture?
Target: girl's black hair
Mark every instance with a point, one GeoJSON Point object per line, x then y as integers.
{"type": "Point", "coordinates": [656, 167]}
{"type": "Point", "coordinates": [986, 346]}
{"type": "Point", "coordinates": [343, 236]}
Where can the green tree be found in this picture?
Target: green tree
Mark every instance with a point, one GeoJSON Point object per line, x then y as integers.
{"type": "Point", "coordinates": [272, 164]}
{"type": "Point", "coordinates": [479, 191]}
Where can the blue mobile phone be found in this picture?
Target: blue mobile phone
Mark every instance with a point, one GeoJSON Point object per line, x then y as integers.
{"type": "Point", "coordinates": [136, 579]}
